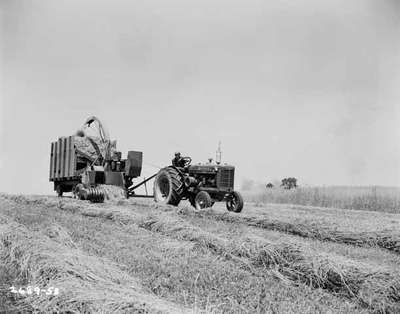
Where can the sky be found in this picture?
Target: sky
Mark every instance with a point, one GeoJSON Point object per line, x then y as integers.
{"type": "Point", "coordinates": [309, 88]}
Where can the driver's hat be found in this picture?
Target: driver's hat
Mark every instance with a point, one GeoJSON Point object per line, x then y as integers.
{"type": "Point", "coordinates": [177, 153]}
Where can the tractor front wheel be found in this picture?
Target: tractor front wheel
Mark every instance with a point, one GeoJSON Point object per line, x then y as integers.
{"type": "Point", "coordinates": [234, 202]}
{"type": "Point", "coordinates": [202, 200]}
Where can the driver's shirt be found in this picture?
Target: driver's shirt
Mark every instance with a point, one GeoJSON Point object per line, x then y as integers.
{"type": "Point", "coordinates": [178, 162]}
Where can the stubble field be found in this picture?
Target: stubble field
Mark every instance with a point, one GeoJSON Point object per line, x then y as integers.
{"type": "Point", "coordinates": [135, 256]}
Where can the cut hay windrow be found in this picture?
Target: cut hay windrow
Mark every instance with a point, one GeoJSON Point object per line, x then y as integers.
{"type": "Point", "coordinates": [378, 290]}
{"type": "Point", "coordinates": [388, 240]}
{"type": "Point", "coordinates": [113, 193]}
{"type": "Point", "coordinates": [59, 235]}
{"type": "Point", "coordinates": [86, 284]}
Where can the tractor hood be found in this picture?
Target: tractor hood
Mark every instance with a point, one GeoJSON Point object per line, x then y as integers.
{"type": "Point", "coordinates": [209, 168]}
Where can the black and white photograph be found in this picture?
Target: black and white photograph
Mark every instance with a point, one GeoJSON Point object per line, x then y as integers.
{"type": "Point", "coordinates": [200, 157]}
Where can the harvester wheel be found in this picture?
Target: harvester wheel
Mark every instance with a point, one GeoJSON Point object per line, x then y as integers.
{"type": "Point", "coordinates": [202, 200]}
{"type": "Point", "coordinates": [59, 190]}
{"type": "Point", "coordinates": [168, 186]}
{"type": "Point", "coordinates": [80, 192]}
{"type": "Point", "coordinates": [75, 190]}
{"type": "Point", "coordinates": [234, 202]}
{"type": "Point", "coordinates": [191, 199]}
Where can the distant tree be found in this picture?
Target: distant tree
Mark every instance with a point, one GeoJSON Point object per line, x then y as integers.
{"type": "Point", "coordinates": [289, 183]}
{"type": "Point", "coordinates": [269, 185]}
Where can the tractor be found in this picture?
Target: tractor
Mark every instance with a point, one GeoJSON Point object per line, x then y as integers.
{"type": "Point", "coordinates": [202, 185]}
{"type": "Point", "coordinates": [89, 165]}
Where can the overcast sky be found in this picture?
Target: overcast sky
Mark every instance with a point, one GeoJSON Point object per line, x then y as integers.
{"type": "Point", "coordinates": [307, 88]}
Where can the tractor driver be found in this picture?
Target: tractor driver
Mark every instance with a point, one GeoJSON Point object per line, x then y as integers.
{"type": "Point", "coordinates": [178, 161]}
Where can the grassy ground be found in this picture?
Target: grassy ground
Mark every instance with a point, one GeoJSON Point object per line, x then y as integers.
{"type": "Point", "coordinates": [359, 228]}
{"type": "Point", "coordinates": [373, 198]}
{"type": "Point", "coordinates": [179, 259]}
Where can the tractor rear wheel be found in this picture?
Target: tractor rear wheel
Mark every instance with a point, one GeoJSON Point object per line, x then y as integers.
{"type": "Point", "coordinates": [202, 200]}
{"type": "Point", "coordinates": [234, 202]}
{"type": "Point", "coordinates": [168, 186]}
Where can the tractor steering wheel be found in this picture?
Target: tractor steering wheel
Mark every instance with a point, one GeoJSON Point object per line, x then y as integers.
{"type": "Point", "coordinates": [187, 160]}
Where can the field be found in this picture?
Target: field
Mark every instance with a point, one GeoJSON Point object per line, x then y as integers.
{"type": "Point", "coordinates": [135, 256]}
{"type": "Point", "coordinates": [373, 198]}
